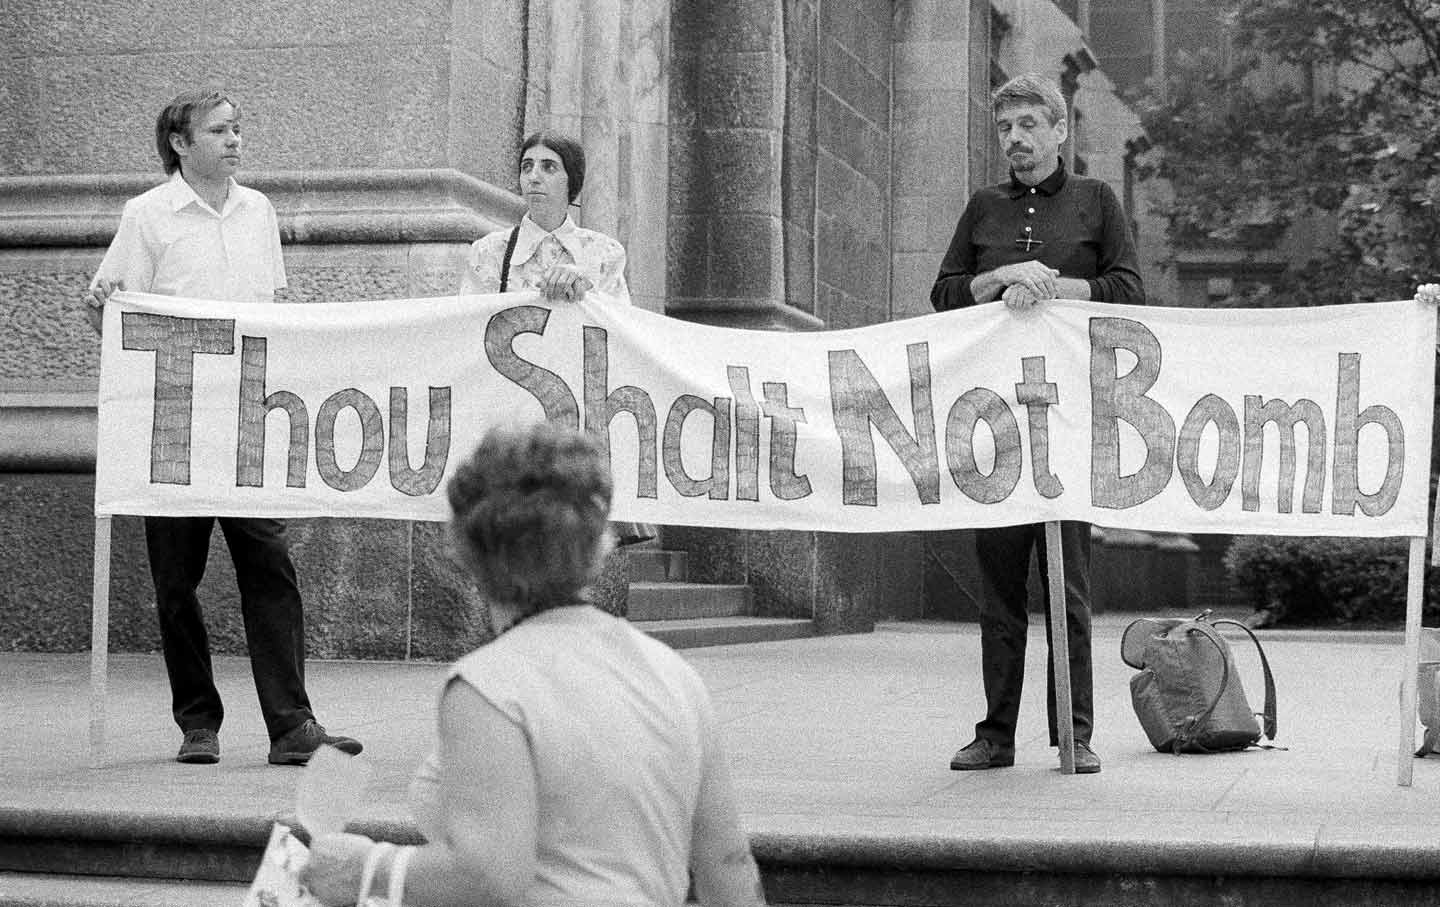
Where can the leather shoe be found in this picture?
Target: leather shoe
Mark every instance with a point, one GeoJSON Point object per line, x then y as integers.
{"type": "Point", "coordinates": [201, 746]}
{"type": "Point", "coordinates": [298, 745]}
{"type": "Point", "coordinates": [1086, 762]}
{"type": "Point", "coordinates": [981, 754]}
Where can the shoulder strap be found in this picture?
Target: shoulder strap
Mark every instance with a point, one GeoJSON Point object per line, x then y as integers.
{"type": "Point", "coordinates": [1269, 714]}
{"type": "Point", "coordinates": [509, 252]}
{"type": "Point", "coordinates": [1195, 722]}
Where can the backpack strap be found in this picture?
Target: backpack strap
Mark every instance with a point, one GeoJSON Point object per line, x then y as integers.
{"type": "Point", "coordinates": [1195, 722]}
{"type": "Point", "coordinates": [1269, 714]}
{"type": "Point", "coordinates": [505, 263]}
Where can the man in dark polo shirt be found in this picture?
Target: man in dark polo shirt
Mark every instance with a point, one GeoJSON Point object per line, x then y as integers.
{"type": "Point", "coordinates": [1042, 235]}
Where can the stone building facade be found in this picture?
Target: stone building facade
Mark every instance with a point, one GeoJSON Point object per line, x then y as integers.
{"type": "Point", "coordinates": [772, 164]}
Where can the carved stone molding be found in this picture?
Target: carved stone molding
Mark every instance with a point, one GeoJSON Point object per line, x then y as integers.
{"type": "Point", "coordinates": [315, 207]}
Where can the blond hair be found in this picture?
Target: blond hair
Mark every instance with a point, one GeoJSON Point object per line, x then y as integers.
{"type": "Point", "coordinates": [179, 118]}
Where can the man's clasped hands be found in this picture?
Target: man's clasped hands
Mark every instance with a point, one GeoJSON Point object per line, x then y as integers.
{"type": "Point", "coordinates": [1027, 282]}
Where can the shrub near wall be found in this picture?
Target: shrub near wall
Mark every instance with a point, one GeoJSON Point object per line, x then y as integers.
{"type": "Point", "coordinates": [1304, 581]}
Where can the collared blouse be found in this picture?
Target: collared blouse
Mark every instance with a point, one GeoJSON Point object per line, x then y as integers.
{"type": "Point", "coordinates": [599, 257]}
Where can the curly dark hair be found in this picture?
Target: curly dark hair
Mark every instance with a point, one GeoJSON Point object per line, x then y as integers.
{"type": "Point", "coordinates": [570, 152]}
{"type": "Point", "coordinates": [530, 510]}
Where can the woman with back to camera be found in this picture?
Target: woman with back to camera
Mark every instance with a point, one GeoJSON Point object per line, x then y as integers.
{"type": "Point", "coordinates": [579, 760]}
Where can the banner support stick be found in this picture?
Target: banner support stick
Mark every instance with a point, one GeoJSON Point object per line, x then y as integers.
{"type": "Point", "coordinates": [1414, 602]}
{"type": "Point", "coordinates": [99, 640]}
{"type": "Point", "coordinates": [1060, 646]}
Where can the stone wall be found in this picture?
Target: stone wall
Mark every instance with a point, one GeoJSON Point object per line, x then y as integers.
{"type": "Point", "coordinates": [853, 163]}
{"type": "Point", "coordinates": [385, 137]}
{"type": "Point", "coordinates": [372, 588]}
{"type": "Point", "coordinates": [599, 71]}
{"type": "Point", "coordinates": [346, 84]}
{"type": "Point", "coordinates": [728, 125]}
{"type": "Point", "coordinates": [386, 141]}
{"type": "Point", "coordinates": [772, 164]}
{"type": "Point", "coordinates": [780, 219]}
{"type": "Point", "coordinates": [933, 145]}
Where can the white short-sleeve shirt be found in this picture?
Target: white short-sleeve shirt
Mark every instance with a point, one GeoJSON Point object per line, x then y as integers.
{"type": "Point", "coordinates": [172, 243]}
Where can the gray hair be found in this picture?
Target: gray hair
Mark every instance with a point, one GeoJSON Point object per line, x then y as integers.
{"type": "Point", "coordinates": [1030, 89]}
{"type": "Point", "coordinates": [530, 509]}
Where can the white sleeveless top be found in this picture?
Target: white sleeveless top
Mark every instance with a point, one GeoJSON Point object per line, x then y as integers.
{"type": "Point", "coordinates": [618, 725]}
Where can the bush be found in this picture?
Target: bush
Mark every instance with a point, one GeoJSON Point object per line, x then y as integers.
{"type": "Point", "coordinates": [1304, 581]}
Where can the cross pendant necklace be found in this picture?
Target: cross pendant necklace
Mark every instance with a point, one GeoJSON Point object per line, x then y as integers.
{"type": "Point", "coordinates": [1029, 242]}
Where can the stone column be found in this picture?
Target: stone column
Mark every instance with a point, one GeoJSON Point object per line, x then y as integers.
{"type": "Point", "coordinates": [941, 151]}
{"type": "Point", "coordinates": [931, 141]}
{"type": "Point", "coordinates": [727, 105]}
{"type": "Point", "coordinates": [598, 71]}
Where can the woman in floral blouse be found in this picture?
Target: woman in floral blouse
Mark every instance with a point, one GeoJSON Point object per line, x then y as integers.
{"type": "Point", "coordinates": [547, 251]}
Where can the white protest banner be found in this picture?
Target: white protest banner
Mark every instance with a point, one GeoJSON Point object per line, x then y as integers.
{"type": "Point", "coordinates": [1287, 421]}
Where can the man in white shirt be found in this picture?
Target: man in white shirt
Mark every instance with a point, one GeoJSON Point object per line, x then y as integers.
{"type": "Point", "coordinates": [202, 235]}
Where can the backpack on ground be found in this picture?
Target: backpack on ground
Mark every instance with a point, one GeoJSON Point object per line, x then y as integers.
{"type": "Point", "coordinates": [1188, 694]}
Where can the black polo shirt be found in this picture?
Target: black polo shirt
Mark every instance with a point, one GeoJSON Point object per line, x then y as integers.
{"type": "Point", "coordinates": [1072, 223]}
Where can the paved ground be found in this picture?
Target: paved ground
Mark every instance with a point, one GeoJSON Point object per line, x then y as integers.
{"type": "Point", "coordinates": [840, 736]}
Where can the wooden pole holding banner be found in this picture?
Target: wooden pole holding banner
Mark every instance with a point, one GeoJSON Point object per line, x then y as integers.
{"type": "Point", "coordinates": [1060, 647]}
{"type": "Point", "coordinates": [99, 641]}
{"type": "Point", "coordinates": [1414, 602]}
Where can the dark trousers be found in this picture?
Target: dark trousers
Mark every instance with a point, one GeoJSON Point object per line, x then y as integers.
{"type": "Point", "coordinates": [269, 603]}
{"type": "Point", "coordinates": [1004, 556]}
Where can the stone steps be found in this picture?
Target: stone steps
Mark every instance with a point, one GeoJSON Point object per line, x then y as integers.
{"type": "Point", "coordinates": [145, 860]}
{"type": "Point", "coordinates": [657, 565]}
{"type": "Point", "coordinates": [683, 614]}
{"type": "Point", "coordinates": [96, 858]}
{"type": "Point", "coordinates": [25, 889]}
{"type": "Point", "coordinates": [696, 633]}
{"type": "Point", "coordinates": [130, 843]}
{"type": "Point", "coordinates": [683, 600]}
